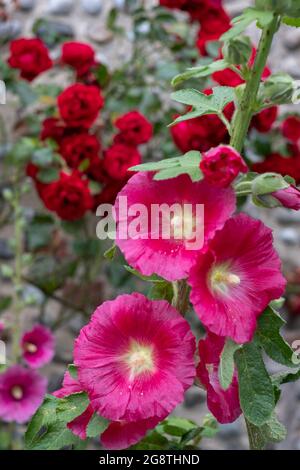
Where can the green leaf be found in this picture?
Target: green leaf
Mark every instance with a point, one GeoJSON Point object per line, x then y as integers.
{"type": "Point", "coordinates": [173, 167]}
{"type": "Point", "coordinates": [178, 427]}
{"type": "Point", "coordinates": [48, 175]}
{"type": "Point", "coordinates": [5, 302]}
{"type": "Point", "coordinates": [72, 369]}
{"type": "Point", "coordinates": [291, 21]}
{"type": "Point", "coordinates": [70, 407]}
{"type": "Point", "coordinates": [285, 377]}
{"type": "Point", "coordinates": [43, 157]}
{"type": "Point", "coordinates": [110, 253]}
{"type": "Point", "coordinates": [44, 416]}
{"type": "Point", "coordinates": [56, 436]}
{"type": "Point", "coordinates": [226, 367]}
{"type": "Point", "coordinates": [153, 441]}
{"type": "Point", "coordinates": [268, 336]}
{"type": "Point", "coordinates": [255, 386]}
{"type": "Point", "coordinates": [271, 431]}
{"type": "Point", "coordinates": [203, 104]}
{"type": "Point", "coordinates": [161, 291]}
{"type": "Point", "coordinates": [200, 71]}
{"type": "Point", "coordinates": [190, 436]}
{"type": "Point", "coordinates": [240, 23]}
{"type": "Point", "coordinates": [97, 426]}
{"type": "Point", "coordinates": [153, 278]}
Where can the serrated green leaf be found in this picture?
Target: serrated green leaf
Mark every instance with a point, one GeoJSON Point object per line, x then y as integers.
{"type": "Point", "coordinates": [271, 431]}
{"type": "Point", "coordinates": [285, 377]}
{"type": "Point", "coordinates": [200, 71]}
{"type": "Point", "coordinates": [255, 386]}
{"type": "Point", "coordinates": [203, 104]}
{"type": "Point", "coordinates": [72, 406]}
{"type": "Point", "coordinates": [168, 173]}
{"type": "Point", "coordinates": [97, 426]}
{"type": "Point", "coordinates": [178, 427]}
{"type": "Point", "coordinates": [56, 436]}
{"type": "Point", "coordinates": [153, 278]}
{"type": "Point", "coordinates": [226, 367]}
{"type": "Point", "coordinates": [269, 337]}
{"type": "Point", "coordinates": [249, 15]}
{"type": "Point", "coordinates": [44, 416]}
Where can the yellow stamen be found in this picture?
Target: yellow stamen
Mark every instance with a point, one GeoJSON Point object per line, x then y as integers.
{"type": "Point", "coordinates": [17, 392]}
{"type": "Point", "coordinates": [138, 359]}
{"type": "Point", "coordinates": [30, 347]}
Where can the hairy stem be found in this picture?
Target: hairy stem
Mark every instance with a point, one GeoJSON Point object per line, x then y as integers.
{"type": "Point", "coordinates": [181, 296]}
{"type": "Point", "coordinates": [247, 105]}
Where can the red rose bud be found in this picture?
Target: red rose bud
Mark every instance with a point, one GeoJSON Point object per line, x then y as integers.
{"type": "Point", "coordinates": [79, 105]}
{"type": "Point", "coordinates": [30, 56]}
{"type": "Point", "coordinates": [79, 56]}
{"type": "Point", "coordinates": [118, 159]}
{"type": "Point", "coordinates": [134, 129]}
{"type": "Point", "coordinates": [221, 165]}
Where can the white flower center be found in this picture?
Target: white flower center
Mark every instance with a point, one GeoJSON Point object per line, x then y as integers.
{"type": "Point", "coordinates": [17, 392]}
{"type": "Point", "coordinates": [138, 359]}
{"type": "Point", "coordinates": [30, 347]}
{"type": "Point", "coordinates": [221, 279]}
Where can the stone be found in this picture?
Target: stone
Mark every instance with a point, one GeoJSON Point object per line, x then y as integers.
{"type": "Point", "coordinates": [60, 7]}
{"type": "Point", "coordinates": [92, 7]}
{"type": "Point", "coordinates": [291, 38]}
{"type": "Point", "coordinates": [99, 35]}
{"type": "Point", "coordinates": [6, 252]}
{"type": "Point", "coordinates": [52, 32]}
{"type": "Point", "coordinates": [289, 236]}
{"type": "Point", "coordinates": [10, 29]}
{"type": "Point", "coordinates": [26, 5]}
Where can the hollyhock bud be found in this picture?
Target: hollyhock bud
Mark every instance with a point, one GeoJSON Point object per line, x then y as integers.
{"type": "Point", "coordinates": [289, 197]}
{"type": "Point", "coordinates": [78, 148]}
{"type": "Point", "coordinates": [38, 346]}
{"type": "Point", "coordinates": [21, 393]}
{"type": "Point", "coordinates": [279, 88]}
{"type": "Point", "coordinates": [237, 50]}
{"type": "Point", "coordinates": [221, 165]}
{"type": "Point", "coordinates": [134, 129]}
{"type": "Point", "coordinates": [30, 56]}
{"type": "Point", "coordinates": [265, 186]}
{"type": "Point", "coordinates": [78, 55]}
{"type": "Point", "coordinates": [79, 105]}
{"type": "Point", "coordinates": [118, 159]}
{"type": "Point", "coordinates": [69, 197]}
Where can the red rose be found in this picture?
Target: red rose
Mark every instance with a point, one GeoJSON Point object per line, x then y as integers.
{"type": "Point", "coordinates": [179, 4]}
{"type": "Point", "coordinates": [96, 170]}
{"type": "Point", "coordinates": [291, 128]}
{"type": "Point", "coordinates": [30, 56]}
{"type": "Point", "coordinates": [278, 164]}
{"type": "Point", "coordinates": [221, 165]}
{"type": "Point", "coordinates": [53, 128]}
{"type": "Point", "coordinates": [69, 197]}
{"type": "Point", "coordinates": [264, 120]}
{"type": "Point", "coordinates": [214, 22]}
{"type": "Point", "coordinates": [79, 105]}
{"type": "Point", "coordinates": [79, 56]}
{"type": "Point", "coordinates": [118, 158]}
{"type": "Point", "coordinates": [77, 148]}
{"type": "Point", "coordinates": [134, 129]}
{"type": "Point", "coordinates": [108, 194]}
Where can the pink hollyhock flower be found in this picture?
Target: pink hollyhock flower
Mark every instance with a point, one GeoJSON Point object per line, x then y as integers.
{"type": "Point", "coordinates": [2, 326]}
{"type": "Point", "coordinates": [38, 346]}
{"type": "Point", "coordinates": [135, 358]}
{"type": "Point", "coordinates": [171, 258]}
{"type": "Point", "coordinates": [118, 435]}
{"type": "Point", "coordinates": [223, 404]}
{"type": "Point", "coordinates": [221, 165]}
{"type": "Point", "coordinates": [236, 279]}
{"type": "Point", "coordinates": [288, 197]}
{"type": "Point", "coordinates": [21, 393]}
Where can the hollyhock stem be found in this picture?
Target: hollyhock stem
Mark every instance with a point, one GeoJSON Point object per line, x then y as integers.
{"type": "Point", "coordinates": [247, 105]}
{"type": "Point", "coordinates": [18, 304]}
{"type": "Point", "coordinates": [181, 296]}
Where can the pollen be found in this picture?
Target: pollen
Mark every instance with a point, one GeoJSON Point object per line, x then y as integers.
{"type": "Point", "coordinates": [222, 279]}
{"type": "Point", "coordinates": [139, 359]}
{"type": "Point", "coordinates": [17, 392]}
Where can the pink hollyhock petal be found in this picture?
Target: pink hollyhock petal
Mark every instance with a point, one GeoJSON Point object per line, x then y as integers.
{"type": "Point", "coordinates": [121, 435]}
{"type": "Point", "coordinates": [170, 258]}
{"type": "Point", "coordinates": [38, 346]}
{"type": "Point", "coordinates": [236, 279]}
{"type": "Point", "coordinates": [21, 393]}
{"type": "Point", "coordinates": [288, 197]}
{"type": "Point", "coordinates": [223, 404]}
{"type": "Point", "coordinates": [135, 358]}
